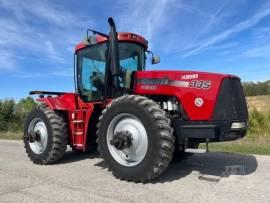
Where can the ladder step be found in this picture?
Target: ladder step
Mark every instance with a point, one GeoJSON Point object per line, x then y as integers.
{"type": "Point", "coordinates": [81, 110]}
{"type": "Point", "coordinates": [78, 133]}
{"type": "Point", "coordinates": [77, 121]}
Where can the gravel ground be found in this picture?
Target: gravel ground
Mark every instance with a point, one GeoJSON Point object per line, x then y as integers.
{"type": "Point", "coordinates": [209, 177]}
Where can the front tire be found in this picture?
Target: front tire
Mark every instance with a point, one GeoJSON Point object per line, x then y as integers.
{"type": "Point", "coordinates": [150, 147]}
{"type": "Point", "coordinates": [52, 132]}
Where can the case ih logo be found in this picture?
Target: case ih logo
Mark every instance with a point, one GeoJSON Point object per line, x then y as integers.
{"type": "Point", "coordinates": [149, 87]}
{"type": "Point", "coordinates": [190, 76]}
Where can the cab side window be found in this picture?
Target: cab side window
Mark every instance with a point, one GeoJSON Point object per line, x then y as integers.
{"type": "Point", "coordinates": [91, 72]}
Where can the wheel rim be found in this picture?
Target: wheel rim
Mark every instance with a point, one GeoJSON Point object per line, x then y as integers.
{"type": "Point", "coordinates": [37, 125]}
{"type": "Point", "coordinates": [136, 152]}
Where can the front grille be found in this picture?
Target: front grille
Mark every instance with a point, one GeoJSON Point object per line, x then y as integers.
{"type": "Point", "coordinates": [231, 103]}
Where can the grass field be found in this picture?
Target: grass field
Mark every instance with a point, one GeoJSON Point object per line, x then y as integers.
{"type": "Point", "coordinates": [245, 145]}
{"type": "Point", "coordinates": [260, 103]}
{"type": "Point", "coordinates": [11, 135]}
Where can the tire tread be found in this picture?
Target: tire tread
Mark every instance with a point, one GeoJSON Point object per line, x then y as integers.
{"type": "Point", "coordinates": [60, 137]}
{"type": "Point", "coordinates": [165, 132]}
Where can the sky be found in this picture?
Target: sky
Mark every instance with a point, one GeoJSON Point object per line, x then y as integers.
{"type": "Point", "coordinates": [37, 38]}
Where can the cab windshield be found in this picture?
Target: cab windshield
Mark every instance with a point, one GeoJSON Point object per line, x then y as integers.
{"type": "Point", "coordinates": [91, 65]}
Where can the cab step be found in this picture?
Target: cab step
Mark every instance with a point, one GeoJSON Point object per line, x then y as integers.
{"type": "Point", "coordinates": [77, 121]}
{"type": "Point", "coordinates": [78, 133]}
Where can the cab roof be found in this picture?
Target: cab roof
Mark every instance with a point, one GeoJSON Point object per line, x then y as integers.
{"type": "Point", "coordinates": [122, 36]}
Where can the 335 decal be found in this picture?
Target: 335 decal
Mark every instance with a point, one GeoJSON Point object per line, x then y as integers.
{"type": "Point", "coordinates": [200, 84]}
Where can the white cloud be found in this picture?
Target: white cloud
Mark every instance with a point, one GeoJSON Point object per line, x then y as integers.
{"type": "Point", "coordinates": [22, 41]}
{"type": "Point", "coordinates": [144, 17]}
{"type": "Point", "coordinates": [49, 72]}
{"type": "Point", "coordinates": [47, 31]}
{"type": "Point", "coordinates": [173, 27]}
{"type": "Point", "coordinates": [258, 52]}
{"type": "Point", "coordinates": [42, 10]}
{"type": "Point", "coordinates": [22, 32]}
{"type": "Point", "coordinates": [67, 72]}
{"type": "Point", "coordinates": [28, 75]}
{"type": "Point", "coordinates": [228, 45]}
{"type": "Point", "coordinates": [261, 13]}
{"type": "Point", "coordinates": [7, 60]}
{"type": "Point", "coordinates": [49, 46]}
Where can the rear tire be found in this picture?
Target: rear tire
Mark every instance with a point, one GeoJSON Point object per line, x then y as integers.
{"type": "Point", "coordinates": [52, 144]}
{"type": "Point", "coordinates": [154, 132]}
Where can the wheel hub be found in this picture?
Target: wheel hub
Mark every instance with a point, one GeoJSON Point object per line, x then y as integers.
{"type": "Point", "coordinates": [37, 136]}
{"type": "Point", "coordinates": [122, 140]}
{"type": "Point", "coordinates": [127, 139]}
{"type": "Point", "coordinates": [34, 136]}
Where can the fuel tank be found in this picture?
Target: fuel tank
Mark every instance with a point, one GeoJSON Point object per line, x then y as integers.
{"type": "Point", "coordinates": [204, 96]}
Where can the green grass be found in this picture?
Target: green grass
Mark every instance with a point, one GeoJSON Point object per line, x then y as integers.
{"type": "Point", "coordinates": [260, 146]}
{"type": "Point", "coordinates": [11, 135]}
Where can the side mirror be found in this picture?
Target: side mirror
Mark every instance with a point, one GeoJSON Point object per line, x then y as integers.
{"type": "Point", "coordinates": [155, 59]}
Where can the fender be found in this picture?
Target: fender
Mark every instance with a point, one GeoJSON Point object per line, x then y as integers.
{"type": "Point", "coordinates": [65, 102]}
{"type": "Point", "coordinates": [75, 110]}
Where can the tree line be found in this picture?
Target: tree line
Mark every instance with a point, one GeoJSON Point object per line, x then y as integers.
{"type": "Point", "coordinates": [254, 89]}
{"type": "Point", "coordinates": [13, 114]}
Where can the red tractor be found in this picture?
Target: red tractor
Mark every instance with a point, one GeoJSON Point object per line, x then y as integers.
{"type": "Point", "coordinates": [137, 119]}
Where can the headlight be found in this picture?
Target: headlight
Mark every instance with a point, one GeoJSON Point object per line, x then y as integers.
{"type": "Point", "coordinates": [238, 125]}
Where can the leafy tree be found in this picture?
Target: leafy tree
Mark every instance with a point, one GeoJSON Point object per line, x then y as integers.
{"type": "Point", "coordinates": [12, 115]}
{"type": "Point", "coordinates": [6, 113]}
{"type": "Point", "coordinates": [22, 108]}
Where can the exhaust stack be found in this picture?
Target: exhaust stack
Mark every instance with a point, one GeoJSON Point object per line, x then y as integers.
{"type": "Point", "coordinates": [114, 52]}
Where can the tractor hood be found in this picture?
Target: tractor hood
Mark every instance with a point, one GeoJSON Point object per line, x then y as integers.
{"type": "Point", "coordinates": [182, 79]}
{"type": "Point", "coordinates": [187, 86]}
{"type": "Point", "coordinates": [181, 75]}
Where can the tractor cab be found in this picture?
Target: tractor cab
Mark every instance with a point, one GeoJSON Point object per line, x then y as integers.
{"type": "Point", "coordinates": [94, 76]}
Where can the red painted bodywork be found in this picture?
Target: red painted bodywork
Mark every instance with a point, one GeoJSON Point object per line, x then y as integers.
{"type": "Point", "coordinates": [122, 36]}
{"type": "Point", "coordinates": [76, 110]}
{"type": "Point", "coordinates": [186, 95]}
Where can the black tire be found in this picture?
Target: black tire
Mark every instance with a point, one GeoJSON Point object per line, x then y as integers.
{"type": "Point", "coordinates": [159, 134]}
{"type": "Point", "coordinates": [57, 135]}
